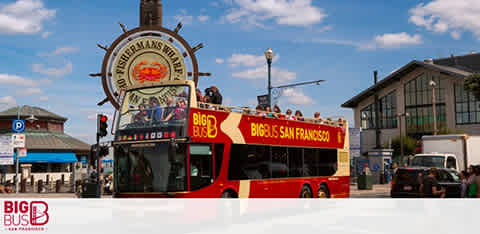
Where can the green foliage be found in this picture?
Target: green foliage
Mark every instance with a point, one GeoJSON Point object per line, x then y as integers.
{"type": "Point", "coordinates": [409, 146]}
{"type": "Point", "coordinates": [445, 131]}
{"type": "Point", "coordinates": [472, 84]}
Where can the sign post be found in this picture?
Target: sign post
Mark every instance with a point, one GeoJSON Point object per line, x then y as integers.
{"type": "Point", "coordinates": [263, 101]}
{"type": "Point", "coordinates": [6, 150]}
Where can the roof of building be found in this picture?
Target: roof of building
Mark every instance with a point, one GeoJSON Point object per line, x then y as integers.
{"type": "Point", "coordinates": [459, 66]}
{"type": "Point", "coordinates": [53, 141]}
{"type": "Point", "coordinates": [26, 111]}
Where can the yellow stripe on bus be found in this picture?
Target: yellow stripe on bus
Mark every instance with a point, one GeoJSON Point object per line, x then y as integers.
{"type": "Point", "coordinates": [244, 190]}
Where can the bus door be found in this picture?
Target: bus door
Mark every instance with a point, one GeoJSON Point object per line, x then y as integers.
{"type": "Point", "coordinates": [201, 166]}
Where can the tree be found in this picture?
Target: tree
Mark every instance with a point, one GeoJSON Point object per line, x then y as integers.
{"type": "Point", "coordinates": [472, 84]}
{"type": "Point", "coordinates": [409, 146]}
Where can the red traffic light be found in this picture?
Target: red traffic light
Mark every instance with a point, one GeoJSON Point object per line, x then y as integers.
{"type": "Point", "coordinates": [104, 118]}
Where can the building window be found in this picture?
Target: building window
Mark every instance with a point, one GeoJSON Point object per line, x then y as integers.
{"type": "Point", "coordinates": [367, 116]}
{"type": "Point", "coordinates": [467, 107]}
{"type": "Point", "coordinates": [418, 103]}
{"type": "Point", "coordinates": [388, 112]}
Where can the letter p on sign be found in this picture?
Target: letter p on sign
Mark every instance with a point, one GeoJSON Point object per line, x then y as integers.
{"type": "Point", "coordinates": [18, 126]}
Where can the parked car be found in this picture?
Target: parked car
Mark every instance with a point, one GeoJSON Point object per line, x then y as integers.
{"type": "Point", "coordinates": [406, 182]}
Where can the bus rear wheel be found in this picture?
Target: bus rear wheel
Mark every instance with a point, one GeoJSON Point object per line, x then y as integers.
{"type": "Point", "coordinates": [306, 192]}
{"type": "Point", "coordinates": [228, 194]}
{"type": "Point", "coordinates": [323, 192]}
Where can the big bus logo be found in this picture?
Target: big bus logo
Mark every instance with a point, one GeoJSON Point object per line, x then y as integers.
{"type": "Point", "coordinates": [204, 126]}
{"type": "Point", "coordinates": [25, 215]}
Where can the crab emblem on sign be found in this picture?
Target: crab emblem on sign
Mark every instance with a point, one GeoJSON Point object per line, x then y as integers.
{"type": "Point", "coordinates": [153, 72]}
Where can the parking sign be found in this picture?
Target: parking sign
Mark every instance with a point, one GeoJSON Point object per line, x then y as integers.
{"type": "Point", "coordinates": [18, 140]}
{"type": "Point", "coordinates": [18, 125]}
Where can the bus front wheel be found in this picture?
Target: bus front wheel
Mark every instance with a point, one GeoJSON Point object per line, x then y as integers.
{"type": "Point", "coordinates": [323, 192]}
{"type": "Point", "coordinates": [306, 192]}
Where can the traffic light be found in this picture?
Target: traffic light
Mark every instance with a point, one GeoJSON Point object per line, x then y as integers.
{"type": "Point", "coordinates": [104, 151]}
{"type": "Point", "coordinates": [102, 125]}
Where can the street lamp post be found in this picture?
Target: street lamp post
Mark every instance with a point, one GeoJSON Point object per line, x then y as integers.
{"type": "Point", "coordinates": [401, 134]}
{"type": "Point", "coordinates": [281, 88]}
{"type": "Point", "coordinates": [434, 106]}
{"type": "Point", "coordinates": [30, 119]}
{"type": "Point", "coordinates": [269, 57]}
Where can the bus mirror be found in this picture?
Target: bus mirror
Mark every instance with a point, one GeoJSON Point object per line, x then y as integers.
{"type": "Point", "coordinates": [172, 150]}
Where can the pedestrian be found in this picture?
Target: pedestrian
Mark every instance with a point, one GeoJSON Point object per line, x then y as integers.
{"type": "Point", "coordinates": [463, 180]}
{"type": "Point", "coordinates": [477, 179]}
{"type": "Point", "coordinates": [473, 189]}
{"type": "Point", "coordinates": [430, 186]}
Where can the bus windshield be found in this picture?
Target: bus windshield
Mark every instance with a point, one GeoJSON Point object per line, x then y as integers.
{"type": "Point", "coordinates": [154, 110]}
{"type": "Point", "coordinates": [149, 168]}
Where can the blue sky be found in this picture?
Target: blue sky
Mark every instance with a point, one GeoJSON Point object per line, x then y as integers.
{"type": "Point", "coordinates": [48, 48]}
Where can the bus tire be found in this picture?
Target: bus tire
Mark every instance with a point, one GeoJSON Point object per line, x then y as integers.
{"type": "Point", "coordinates": [228, 194]}
{"type": "Point", "coordinates": [306, 192]}
{"type": "Point", "coordinates": [323, 192]}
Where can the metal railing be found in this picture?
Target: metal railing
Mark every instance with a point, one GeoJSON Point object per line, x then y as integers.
{"type": "Point", "coordinates": [337, 121]}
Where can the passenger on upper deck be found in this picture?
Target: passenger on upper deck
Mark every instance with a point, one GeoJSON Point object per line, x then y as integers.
{"type": "Point", "coordinates": [199, 96]}
{"type": "Point", "coordinates": [289, 115]}
{"type": "Point", "coordinates": [260, 111]}
{"type": "Point", "coordinates": [214, 94]}
{"type": "Point", "coordinates": [317, 117]}
{"type": "Point", "coordinates": [299, 115]}
{"type": "Point", "coordinates": [169, 111]}
{"type": "Point", "coordinates": [269, 112]}
{"type": "Point", "coordinates": [142, 115]}
{"type": "Point", "coordinates": [278, 112]}
{"type": "Point", "coordinates": [155, 112]}
{"type": "Point", "coordinates": [180, 110]}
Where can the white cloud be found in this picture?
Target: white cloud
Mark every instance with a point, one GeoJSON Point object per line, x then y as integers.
{"type": "Point", "coordinates": [325, 29]}
{"type": "Point", "coordinates": [219, 61]}
{"type": "Point", "coordinates": [283, 12]}
{"type": "Point", "coordinates": [249, 60]}
{"type": "Point", "coordinates": [59, 51]}
{"type": "Point", "coordinates": [29, 91]}
{"type": "Point", "coordinates": [24, 17]}
{"type": "Point", "coordinates": [57, 72]}
{"type": "Point", "coordinates": [203, 18]}
{"type": "Point", "coordinates": [6, 79]}
{"type": "Point", "coordinates": [7, 102]}
{"type": "Point", "coordinates": [397, 40]}
{"type": "Point", "coordinates": [296, 97]}
{"type": "Point", "coordinates": [443, 16]}
{"type": "Point", "coordinates": [279, 76]}
{"type": "Point", "coordinates": [184, 17]}
{"type": "Point", "coordinates": [43, 98]}
{"type": "Point", "coordinates": [45, 35]}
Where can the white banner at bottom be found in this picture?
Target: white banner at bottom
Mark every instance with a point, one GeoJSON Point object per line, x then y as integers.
{"type": "Point", "coordinates": [292, 216]}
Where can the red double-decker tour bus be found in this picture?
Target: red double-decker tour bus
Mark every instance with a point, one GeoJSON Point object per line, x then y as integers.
{"type": "Point", "coordinates": [167, 144]}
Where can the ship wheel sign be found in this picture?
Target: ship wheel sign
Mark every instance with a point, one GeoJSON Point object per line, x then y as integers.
{"type": "Point", "coordinates": [147, 55]}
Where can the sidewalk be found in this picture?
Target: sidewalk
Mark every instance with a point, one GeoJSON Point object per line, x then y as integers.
{"type": "Point", "coordinates": [378, 191]}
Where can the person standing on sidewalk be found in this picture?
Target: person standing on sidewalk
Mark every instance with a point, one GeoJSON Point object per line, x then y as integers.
{"type": "Point", "coordinates": [430, 186]}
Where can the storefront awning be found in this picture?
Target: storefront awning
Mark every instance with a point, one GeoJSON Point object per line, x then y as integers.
{"type": "Point", "coordinates": [48, 158]}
